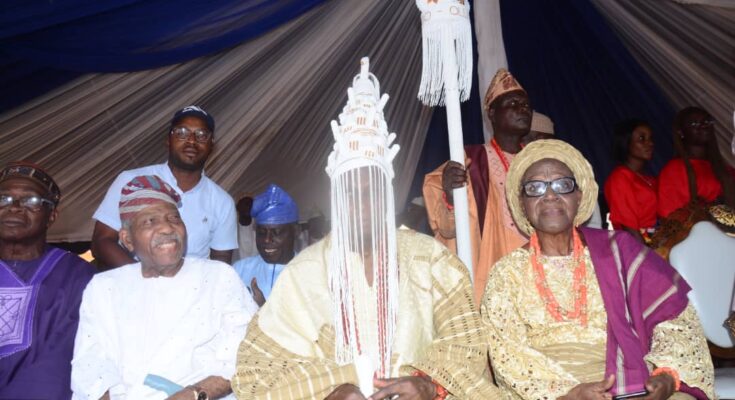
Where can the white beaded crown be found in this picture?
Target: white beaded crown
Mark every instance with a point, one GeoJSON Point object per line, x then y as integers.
{"type": "Point", "coordinates": [361, 136]}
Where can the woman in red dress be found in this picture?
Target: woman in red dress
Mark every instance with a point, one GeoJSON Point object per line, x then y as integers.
{"type": "Point", "coordinates": [691, 182]}
{"type": "Point", "coordinates": [699, 173]}
{"type": "Point", "coordinates": [630, 191]}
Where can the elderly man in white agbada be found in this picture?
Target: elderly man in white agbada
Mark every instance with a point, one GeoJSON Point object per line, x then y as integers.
{"type": "Point", "coordinates": [166, 327]}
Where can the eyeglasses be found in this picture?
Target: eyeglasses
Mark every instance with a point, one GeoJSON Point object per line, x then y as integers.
{"type": "Point", "coordinates": [183, 133]}
{"type": "Point", "coordinates": [704, 122]}
{"type": "Point", "coordinates": [563, 185]}
{"type": "Point", "coordinates": [31, 203]}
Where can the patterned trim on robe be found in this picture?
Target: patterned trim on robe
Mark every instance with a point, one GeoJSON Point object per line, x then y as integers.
{"type": "Point", "coordinates": [640, 292]}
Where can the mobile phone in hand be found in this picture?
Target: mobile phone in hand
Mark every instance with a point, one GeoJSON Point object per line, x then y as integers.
{"type": "Point", "coordinates": [630, 395]}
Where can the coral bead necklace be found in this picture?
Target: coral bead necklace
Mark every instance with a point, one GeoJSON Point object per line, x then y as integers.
{"type": "Point", "coordinates": [579, 285]}
{"type": "Point", "coordinates": [501, 155]}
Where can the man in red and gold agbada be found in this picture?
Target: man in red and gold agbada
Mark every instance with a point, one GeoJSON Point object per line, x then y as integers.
{"type": "Point", "coordinates": [492, 230]}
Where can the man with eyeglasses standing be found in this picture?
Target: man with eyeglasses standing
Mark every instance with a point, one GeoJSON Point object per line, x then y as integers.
{"type": "Point", "coordinates": [40, 289]}
{"type": "Point", "coordinates": [207, 210]}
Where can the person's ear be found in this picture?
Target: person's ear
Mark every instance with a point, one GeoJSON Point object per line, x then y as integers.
{"type": "Point", "coordinates": [491, 113]}
{"type": "Point", "coordinates": [680, 133]}
{"type": "Point", "coordinates": [52, 217]}
{"type": "Point", "coordinates": [126, 237]}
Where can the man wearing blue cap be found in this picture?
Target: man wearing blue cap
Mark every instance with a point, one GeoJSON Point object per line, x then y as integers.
{"type": "Point", "coordinates": [207, 210]}
{"type": "Point", "coordinates": [276, 215]}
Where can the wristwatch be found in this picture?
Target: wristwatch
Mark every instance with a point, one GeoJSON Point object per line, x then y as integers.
{"type": "Point", "coordinates": [199, 393]}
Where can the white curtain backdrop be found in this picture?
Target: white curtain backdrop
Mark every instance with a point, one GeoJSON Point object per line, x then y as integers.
{"type": "Point", "coordinates": [272, 97]}
{"type": "Point", "coordinates": [490, 50]}
{"type": "Point", "coordinates": [688, 49]}
{"type": "Point", "coordinates": [718, 3]}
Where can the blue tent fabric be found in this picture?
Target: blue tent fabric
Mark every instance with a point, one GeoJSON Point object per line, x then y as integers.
{"type": "Point", "coordinates": [23, 80]}
{"type": "Point", "coordinates": [128, 35]}
{"type": "Point", "coordinates": [577, 71]}
{"type": "Point", "coordinates": [26, 16]}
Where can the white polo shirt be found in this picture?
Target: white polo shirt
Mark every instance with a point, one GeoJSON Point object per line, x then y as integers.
{"type": "Point", "coordinates": [208, 210]}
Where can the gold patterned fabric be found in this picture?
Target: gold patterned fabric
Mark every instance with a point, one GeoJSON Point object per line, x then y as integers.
{"type": "Point", "coordinates": [288, 352]}
{"type": "Point", "coordinates": [724, 217]}
{"type": "Point", "coordinates": [496, 239]}
{"type": "Point", "coordinates": [536, 357]}
{"type": "Point", "coordinates": [503, 82]}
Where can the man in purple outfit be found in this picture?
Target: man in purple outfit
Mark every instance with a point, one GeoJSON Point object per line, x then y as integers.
{"type": "Point", "coordinates": [40, 289]}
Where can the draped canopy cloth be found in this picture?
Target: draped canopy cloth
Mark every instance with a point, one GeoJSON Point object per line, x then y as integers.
{"type": "Point", "coordinates": [96, 36]}
{"type": "Point", "coordinates": [272, 97]}
{"type": "Point", "coordinates": [490, 51]}
{"type": "Point", "coordinates": [687, 49]}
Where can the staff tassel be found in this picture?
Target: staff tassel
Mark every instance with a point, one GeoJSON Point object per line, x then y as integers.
{"type": "Point", "coordinates": [446, 79]}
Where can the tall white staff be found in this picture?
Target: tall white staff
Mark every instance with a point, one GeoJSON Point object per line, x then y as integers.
{"type": "Point", "coordinates": [445, 79]}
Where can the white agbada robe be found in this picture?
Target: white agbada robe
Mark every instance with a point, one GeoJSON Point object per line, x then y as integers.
{"type": "Point", "coordinates": [184, 328]}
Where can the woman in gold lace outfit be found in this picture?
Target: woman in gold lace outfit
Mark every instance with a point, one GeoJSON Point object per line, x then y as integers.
{"type": "Point", "coordinates": [581, 313]}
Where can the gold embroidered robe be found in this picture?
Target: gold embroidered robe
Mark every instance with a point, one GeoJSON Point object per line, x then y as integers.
{"type": "Point", "coordinates": [536, 357]}
{"type": "Point", "coordinates": [288, 352]}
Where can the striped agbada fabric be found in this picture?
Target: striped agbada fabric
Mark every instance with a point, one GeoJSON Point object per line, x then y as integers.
{"type": "Point", "coordinates": [640, 291]}
{"type": "Point", "coordinates": [288, 352]}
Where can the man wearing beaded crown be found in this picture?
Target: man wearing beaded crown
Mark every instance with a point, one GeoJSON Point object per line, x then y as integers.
{"type": "Point", "coordinates": [341, 321]}
{"type": "Point", "coordinates": [493, 232]}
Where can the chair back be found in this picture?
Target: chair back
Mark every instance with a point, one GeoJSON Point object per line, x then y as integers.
{"type": "Point", "coordinates": [706, 260]}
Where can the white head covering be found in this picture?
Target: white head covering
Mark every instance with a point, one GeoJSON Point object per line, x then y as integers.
{"type": "Point", "coordinates": [542, 123]}
{"type": "Point", "coordinates": [363, 226]}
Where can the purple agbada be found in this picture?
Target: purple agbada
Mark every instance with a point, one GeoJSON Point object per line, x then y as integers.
{"type": "Point", "coordinates": [39, 313]}
{"type": "Point", "coordinates": [479, 175]}
{"type": "Point", "coordinates": [639, 290]}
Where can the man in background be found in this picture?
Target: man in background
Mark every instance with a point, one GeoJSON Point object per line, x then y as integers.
{"type": "Point", "coordinates": [493, 232]}
{"type": "Point", "coordinates": [40, 289]}
{"type": "Point", "coordinates": [245, 229]}
{"type": "Point", "coordinates": [276, 216]}
{"type": "Point", "coordinates": [207, 209]}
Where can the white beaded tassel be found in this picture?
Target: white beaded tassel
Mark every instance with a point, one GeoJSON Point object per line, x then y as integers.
{"type": "Point", "coordinates": [446, 79]}
{"type": "Point", "coordinates": [361, 172]}
{"type": "Point", "coordinates": [445, 25]}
